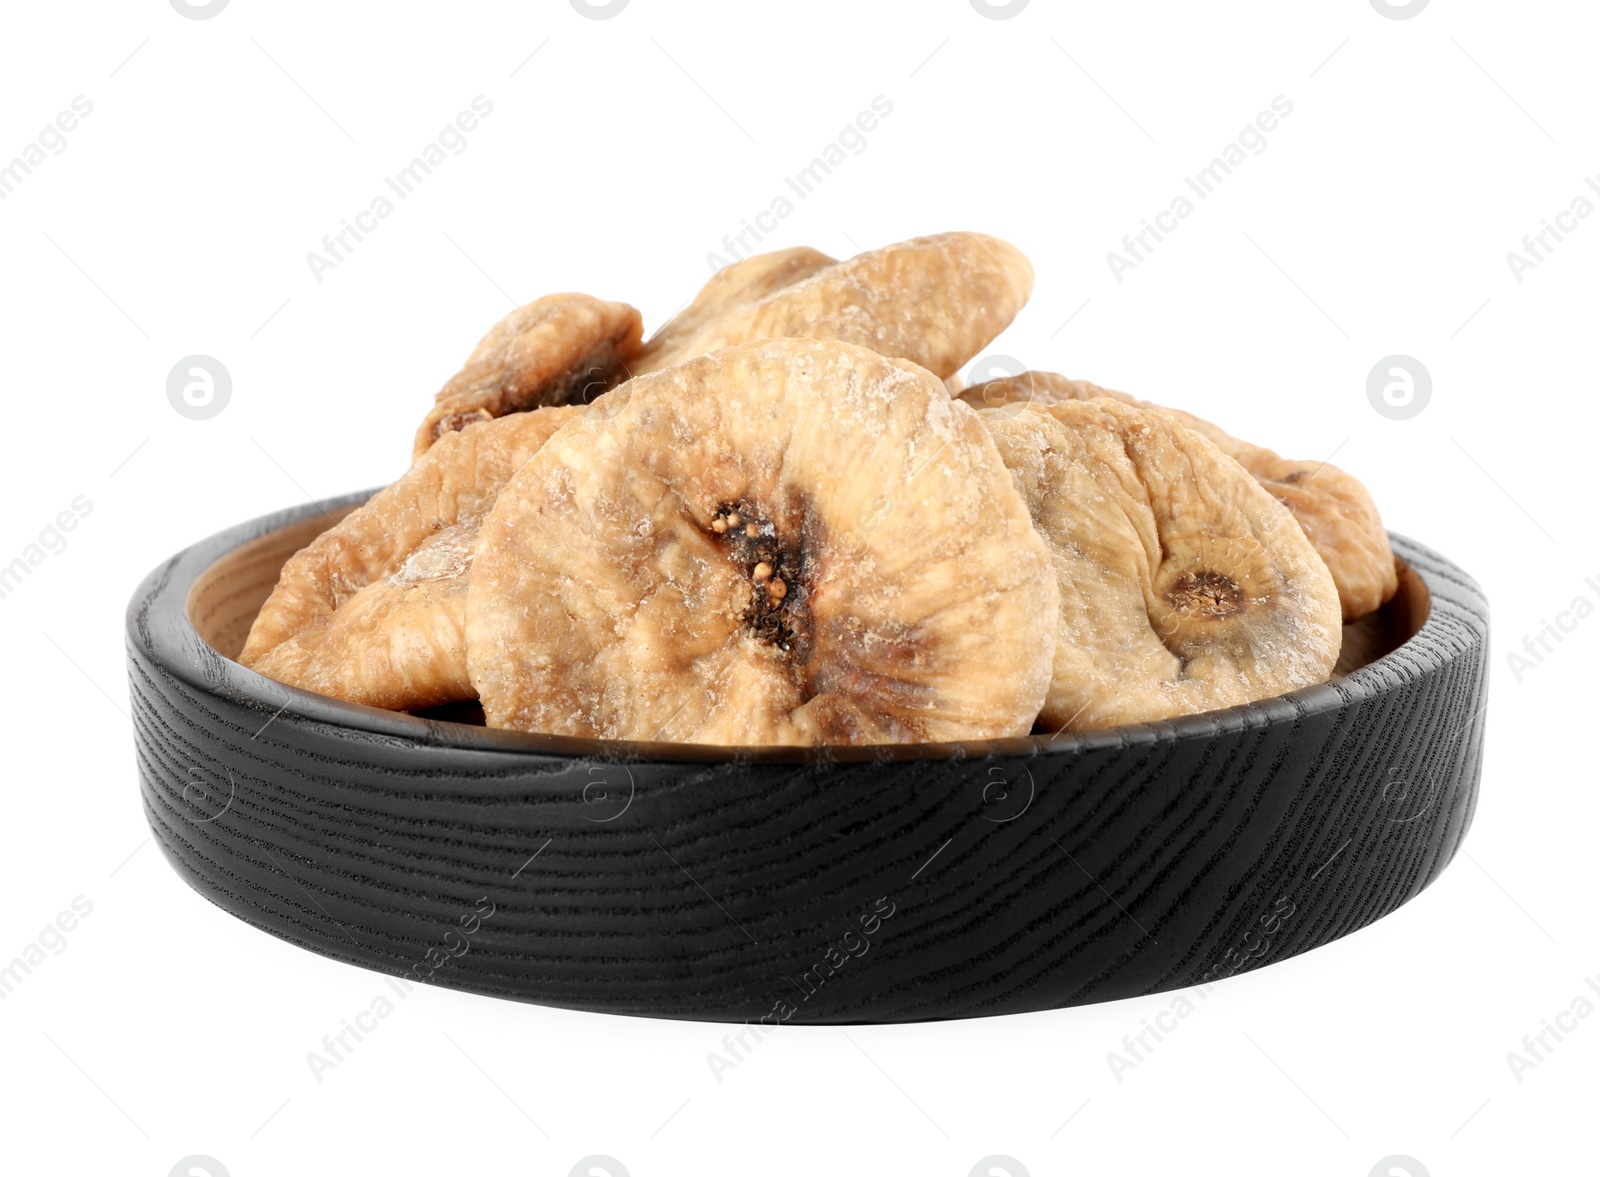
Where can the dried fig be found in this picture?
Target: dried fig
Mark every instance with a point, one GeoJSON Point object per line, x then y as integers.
{"type": "Point", "coordinates": [935, 301]}
{"type": "Point", "coordinates": [784, 542]}
{"type": "Point", "coordinates": [560, 349]}
{"type": "Point", "coordinates": [732, 289]}
{"type": "Point", "coordinates": [1185, 586]}
{"type": "Point", "coordinates": [372, 610]}
{"type": "Point", "coordinates": [397, 642]}
{"type": "Point", "coordinates": [1332, 506]}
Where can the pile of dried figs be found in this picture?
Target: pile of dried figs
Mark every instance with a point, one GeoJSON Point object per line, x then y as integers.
{"type": "Point", "coordinates": [780, 521]}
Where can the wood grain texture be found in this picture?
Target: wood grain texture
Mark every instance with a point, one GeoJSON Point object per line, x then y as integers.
{"type": "Point", "coordinates": [669, 881]}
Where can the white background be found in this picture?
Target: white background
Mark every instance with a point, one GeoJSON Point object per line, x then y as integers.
{"type": "Point", "coordinates": [1377, 221]}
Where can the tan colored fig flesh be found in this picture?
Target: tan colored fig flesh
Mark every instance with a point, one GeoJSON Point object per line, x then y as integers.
{"type": "Point", "coordinates": [935, 301]}
{"type": "Point", "coordinates": [786, 542]}
{"type": "Point", "coordinates": [1332, 506]}
{"type": "Point", "coordinates": [560, 349]}
{"type": "Point", "coordinates": [372, 610]}
{"type": "Point", "coordinates": [1185, 587]}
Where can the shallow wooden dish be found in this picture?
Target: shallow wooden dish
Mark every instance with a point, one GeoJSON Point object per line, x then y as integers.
{"type": "Point", "coordinates": [677, 881]}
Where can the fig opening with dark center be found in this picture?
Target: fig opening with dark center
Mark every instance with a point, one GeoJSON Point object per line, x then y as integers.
{"type": "Point", "coordinates": [775, 570]}
{"type": "Point", "coordinates": [1206, 594]}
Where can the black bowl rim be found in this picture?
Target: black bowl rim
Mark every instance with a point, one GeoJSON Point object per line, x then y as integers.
{"type": "Point", "coordinates": [158, 620]}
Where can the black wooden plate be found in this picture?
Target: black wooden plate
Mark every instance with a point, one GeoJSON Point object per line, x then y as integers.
{"type": "Point", "coordinates": [826, 885]}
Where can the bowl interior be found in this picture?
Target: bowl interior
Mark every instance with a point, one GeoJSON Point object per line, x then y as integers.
{"type": "Point", "coordinates": [1392, 626]}
{"type": "Point", "coordinates": [226, 597]}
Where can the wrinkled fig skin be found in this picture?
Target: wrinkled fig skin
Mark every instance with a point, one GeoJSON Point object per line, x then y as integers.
{"type": "Point", "coordinates": [560, 349]}
{"type": "Point", "coordinates": [1332, 507]}
{"type": "Point", "coordinates": [372, 610]}
{"type": "Point", "coordinates": [398, 642]}
{"type": "Point", "coordinates": [790, 542]}
{"type": "Point", "coordinates": [1185, 587]}
{"type": "Point", "coordinates": [935, 301]}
